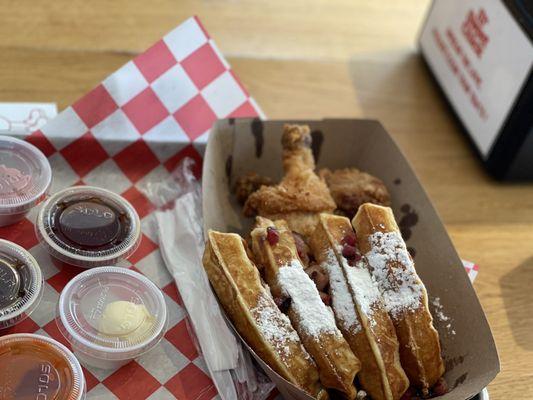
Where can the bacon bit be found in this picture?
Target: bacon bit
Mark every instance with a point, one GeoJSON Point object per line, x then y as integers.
{"type": "Point", "coordinates": [326, 298]}
{"type": "Point", "coordinates": [348, 251]}
{"type": "Point", "coordinates": [349, 239]}
{"type": "Point", "coordinates": [440, 388]}
{"type": "Point", "coordinates": [302, 248]}
{"type": "Point", "coordinates": [318, 276]}
{"type": "Point", "coordinates": [353, 261]}
{"type": "Point", "coordinates": [283, 303]}
{"type": "Point", "coordinates": [272, 236]}
{"type": "Point", "coordinates": [409, 394]}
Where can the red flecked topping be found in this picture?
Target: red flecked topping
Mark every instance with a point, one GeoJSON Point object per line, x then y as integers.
{"type": "Point", "coordinates": [272, 236]}
{"type": "Point", "coordinates": [349, 239]}
{"type": "Point", "coordinates": [352, 261]}
{"type": "Point", "coordinates": [283, 303]}
{"type": "Point", "coordinates": [348, 251]}
{"type": "Point", "coordinates": [302, 248]}
{"type": "Point", "coordinates": [318, 276]}
{"type": "Point", "coordinates": [440, 388]}
{"type": "Point", "coordinates": [326, 298]}
{"type": "Point", "coordinates": [409, 394]}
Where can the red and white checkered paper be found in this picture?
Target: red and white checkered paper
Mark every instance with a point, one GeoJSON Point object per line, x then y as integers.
{"type": "Point", "coordinates": [132, 129]}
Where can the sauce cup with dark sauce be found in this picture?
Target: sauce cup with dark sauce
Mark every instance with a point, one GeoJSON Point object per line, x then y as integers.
{"type": "Point", "coordinates": [21, 284]}
{"type": "Point", "coordinates": [88, 227]}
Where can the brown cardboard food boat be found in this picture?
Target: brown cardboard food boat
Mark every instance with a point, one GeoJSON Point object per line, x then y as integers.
{"type": "Point", "coordinates": [237, 147]}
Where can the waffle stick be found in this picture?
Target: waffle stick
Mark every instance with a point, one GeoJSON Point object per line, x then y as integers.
{"type": "Point", "coordinates": [253, 312]}
{"type": "Point", "coordinates": [274, 248]}
{"type": "Point", "coordinates": [404, 293]}
{"type": "Point", "coordinates": [359, 309]}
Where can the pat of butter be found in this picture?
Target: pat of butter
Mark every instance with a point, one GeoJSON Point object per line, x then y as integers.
{"type": "Point", "coordinates": [125, 319]}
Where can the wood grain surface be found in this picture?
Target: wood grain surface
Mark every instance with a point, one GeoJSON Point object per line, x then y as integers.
{"type": "Point", "coordinates": [312, 59]}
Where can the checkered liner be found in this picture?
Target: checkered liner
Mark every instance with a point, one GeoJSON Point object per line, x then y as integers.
{"type": "Point", "coordinates": [471, 269]}
{"type": "Point", "coordinates": [132, 129]}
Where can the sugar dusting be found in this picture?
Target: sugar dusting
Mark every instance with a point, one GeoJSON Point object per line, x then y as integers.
{"type": "Point", "coordinates": [395, 273]}
{"type": "Point", "coordinates": [274, 325]}
{"type": "Point", "coordinates": [343, 304]}
{"type": "Point", "coordinates": [439, 313]}
{"type": "Point", "coordinates": [364, 287]}
{"type": "Point", "coordinates": [315, 318]}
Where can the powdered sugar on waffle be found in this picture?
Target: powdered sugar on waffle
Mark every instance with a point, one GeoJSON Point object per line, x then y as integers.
{"type": "Point", "coordinates": [315, 317]}
{"type": "Point", "coordinates": [343, 304]}
{"type": "Point", "coordinates": [395, 272]}
{"type": "Point", "coordinates": [274, 325]}
{"type": "Point", "coordinates": [363, 285]}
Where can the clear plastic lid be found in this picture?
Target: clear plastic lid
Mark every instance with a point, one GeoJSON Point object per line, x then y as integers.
{"type": "Point", "coordinates": [25, 175]}
{"type": "Point", "coordinates": [37, 367]}
{"type": "Point", "coordinates": [112, 313]}
{"type": "Point", "coordinates": [88, 226]}
{"type": "Point", "coordinates": [21, 284]}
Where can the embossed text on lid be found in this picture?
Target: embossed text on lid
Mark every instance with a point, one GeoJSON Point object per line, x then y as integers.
{"type": "Point", "coordinates": [112, 313]}
{"type": "Point", "coordinates": [89, 223]}
{"type": "Point", "coordinates": [88, 226]}
{"type": "Point", "coordinates": [35, 367]}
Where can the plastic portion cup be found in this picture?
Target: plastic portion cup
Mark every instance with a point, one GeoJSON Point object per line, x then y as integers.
{"type": "Point", "coordinates": [35, 367]}
{"type": "Point", "coordinates": [25, 177]}
{"type": "Point", "coordinates": [21, 284]}
{"type": "Point", "coordinates": [111, 315]}
{"type": "Point", "coordinates": [88, 227]}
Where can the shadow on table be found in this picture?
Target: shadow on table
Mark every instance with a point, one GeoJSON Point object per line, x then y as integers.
{"type": "Point", "coordinates": [517, 292]}
{"type": "Point", "coordinates": [397, 88]}
{"type": "Point", "coordinates": [395, 84]}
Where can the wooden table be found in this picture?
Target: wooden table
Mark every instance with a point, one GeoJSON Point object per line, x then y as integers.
{"type": "Point", "coordinates": [311, 59]}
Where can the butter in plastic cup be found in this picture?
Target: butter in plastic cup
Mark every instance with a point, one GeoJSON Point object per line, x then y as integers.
{"type": "Point", "coordinates": [111, 316]}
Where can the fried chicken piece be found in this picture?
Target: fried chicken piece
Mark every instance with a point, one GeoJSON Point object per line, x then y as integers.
{"type": "Point", "coordinates": [351, 187]}
{"type": "Point", "coordinates": [301, 195]}
{"type": "Point", "coordinates": [249, 183]}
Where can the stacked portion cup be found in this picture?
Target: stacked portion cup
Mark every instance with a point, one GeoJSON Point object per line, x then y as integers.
{"type": "Point", "coordinates": [25, 177]}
